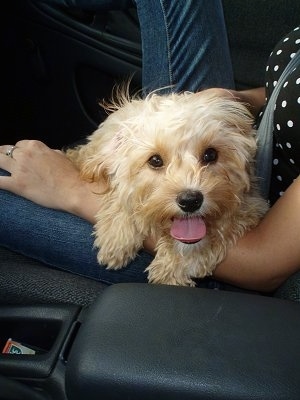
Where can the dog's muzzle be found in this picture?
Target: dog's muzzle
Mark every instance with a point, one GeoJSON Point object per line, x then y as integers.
{"type": "Point", "coordinates": [189, 228]}
{"type": "Point", "coordinates": [190, 200]}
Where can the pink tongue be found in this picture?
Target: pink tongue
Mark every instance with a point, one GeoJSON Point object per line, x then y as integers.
{"type": "Point", "coordinates": [188, 230]}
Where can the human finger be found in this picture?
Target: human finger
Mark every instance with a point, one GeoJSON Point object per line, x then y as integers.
{"type": "Point", "coordinates": [8, 150]}
{"type": "Point", "coordinates": [28, 143]}
{"type": "Point", "coordinates": [6, 157]}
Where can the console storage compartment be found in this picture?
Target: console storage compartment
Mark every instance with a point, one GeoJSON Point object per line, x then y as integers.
{"type": "Point", "coordinates": [43, 328]}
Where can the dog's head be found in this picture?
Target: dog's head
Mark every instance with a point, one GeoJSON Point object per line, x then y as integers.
{"type": "Point", "coordinates": [178, 161]}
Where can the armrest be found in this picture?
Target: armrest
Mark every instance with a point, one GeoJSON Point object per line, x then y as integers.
{"type": "Point", "coordinates": [144, 341]}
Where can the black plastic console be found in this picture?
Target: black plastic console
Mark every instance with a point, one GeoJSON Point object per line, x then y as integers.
{"type": "Point", "coordinates": [145, 342]}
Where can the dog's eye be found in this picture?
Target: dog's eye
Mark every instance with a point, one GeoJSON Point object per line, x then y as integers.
{"type": "Point", "coordinates": [156, 161]}
{"type": "Point", "coordinates": [210, 155]}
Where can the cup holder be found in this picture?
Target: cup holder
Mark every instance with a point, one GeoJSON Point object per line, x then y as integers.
{"type": "Point", "coordinates": [38, 335]}
{"type": "Point", "coordinates": [33, 338]}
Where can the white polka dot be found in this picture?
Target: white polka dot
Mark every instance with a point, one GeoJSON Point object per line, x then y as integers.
{"type": "Point", "coordinates": [298, 100]}
{"type": "Point", "coordinates": [283, 104]}
{"type": "Point", "coordinates": [298, 81]}
{"type": "Point", "coordinates": [274, 83]}
{"type": "Point", "coordinates": [267, 69]}
{"type": "Point", "coordinates": [275, 161]}
{"type": "Point", "coordinates": [276, 68]}
{"type": "Point", "coordinates": [278, 52]}
{"type": "Point", "coordinates": [288, 145]}
{"type": "Point", "coordinates": [290, 123]}
{"type": "Point", "coordinates": [280, 145]}
{"type": "Point", "coordinates": [296, 29]}
{"type": "Point", "coordinates": [286, 83]}
{"type": "Point", "coordinates": [278, 127]}
{"type": "Point", "coordinates": [281, 194]}
{"type": "Point", "coordinates": [286, 39]}
{"type": "Point", "coordinates": [297, 41]}
{"type": "Point", "coordinates": [292, 161]}
{"type": "Point", "coordinates": [292, 55]}
{"type": "Point", "coordinates": [279, 178]}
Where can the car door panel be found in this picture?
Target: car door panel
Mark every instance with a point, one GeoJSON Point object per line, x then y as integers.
{"type": "Point", "coordinates": [60, 64]}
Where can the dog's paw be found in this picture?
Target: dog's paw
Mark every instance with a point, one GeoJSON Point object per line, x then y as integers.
{"type": "Point", "coordinates": [168, 277]}
{"type": "Point", "coordinates": [110, 261]}
{"type": "Point", "coordinates": [116, 248]}
{"type": "Point", "coordinates": [115, 260]}
{"type": "Point", "coordinates": [172, 281]}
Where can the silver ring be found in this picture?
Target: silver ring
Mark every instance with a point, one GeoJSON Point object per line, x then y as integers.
{"type": "Point", "coordinates": [9, 151]}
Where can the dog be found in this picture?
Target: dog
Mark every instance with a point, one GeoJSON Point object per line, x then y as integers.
{"type": "Point", "coordinates": [178, 168]}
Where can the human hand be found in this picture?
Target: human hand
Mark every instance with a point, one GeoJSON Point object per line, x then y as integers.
{"type": "Point", "coordinates": [253, 99]}
{"type": "Point", "coordinates": [44, 176]}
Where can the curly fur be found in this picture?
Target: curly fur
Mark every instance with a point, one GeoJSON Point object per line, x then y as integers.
{"type": "Point", "coordinates": [141, 200]}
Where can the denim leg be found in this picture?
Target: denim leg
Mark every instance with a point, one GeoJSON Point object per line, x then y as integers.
{"type": "Point", "coordinates": [59, 239]}
{"type": "Point", "coordinates": [184, 44]}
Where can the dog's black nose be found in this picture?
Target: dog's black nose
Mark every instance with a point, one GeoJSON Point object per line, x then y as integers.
{"type": "Point", "coordinates": [190, 200]}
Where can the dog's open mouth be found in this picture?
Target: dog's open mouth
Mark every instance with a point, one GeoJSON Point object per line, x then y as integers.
{"type": "Point", "coordinates": [188, 229]}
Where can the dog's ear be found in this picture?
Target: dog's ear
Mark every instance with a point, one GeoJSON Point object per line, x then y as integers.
{"type": "Point", "coordinates": [86, 161]}
{"type": "Point", "coordinates": [93, 169]}
{"type": "Point", "coordinates": [100, 158]}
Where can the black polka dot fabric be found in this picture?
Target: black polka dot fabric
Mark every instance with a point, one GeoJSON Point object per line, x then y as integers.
{"type": "Point", "coordinates": [286, 146]}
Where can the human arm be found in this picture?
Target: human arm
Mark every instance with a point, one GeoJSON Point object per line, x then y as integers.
{"type": "Point", "coordinates": [254, 99]}
{"type": "Point", "coordinates": [47, 177]}
{"type": "Point", "coordinates": [268, 254]}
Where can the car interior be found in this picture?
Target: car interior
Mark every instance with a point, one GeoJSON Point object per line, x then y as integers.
{"type": "Point", "coordinates": [67, 337]}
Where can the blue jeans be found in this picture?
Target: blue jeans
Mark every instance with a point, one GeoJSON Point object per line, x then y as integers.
{"type": "Point", "coordinates": [184, 45]}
